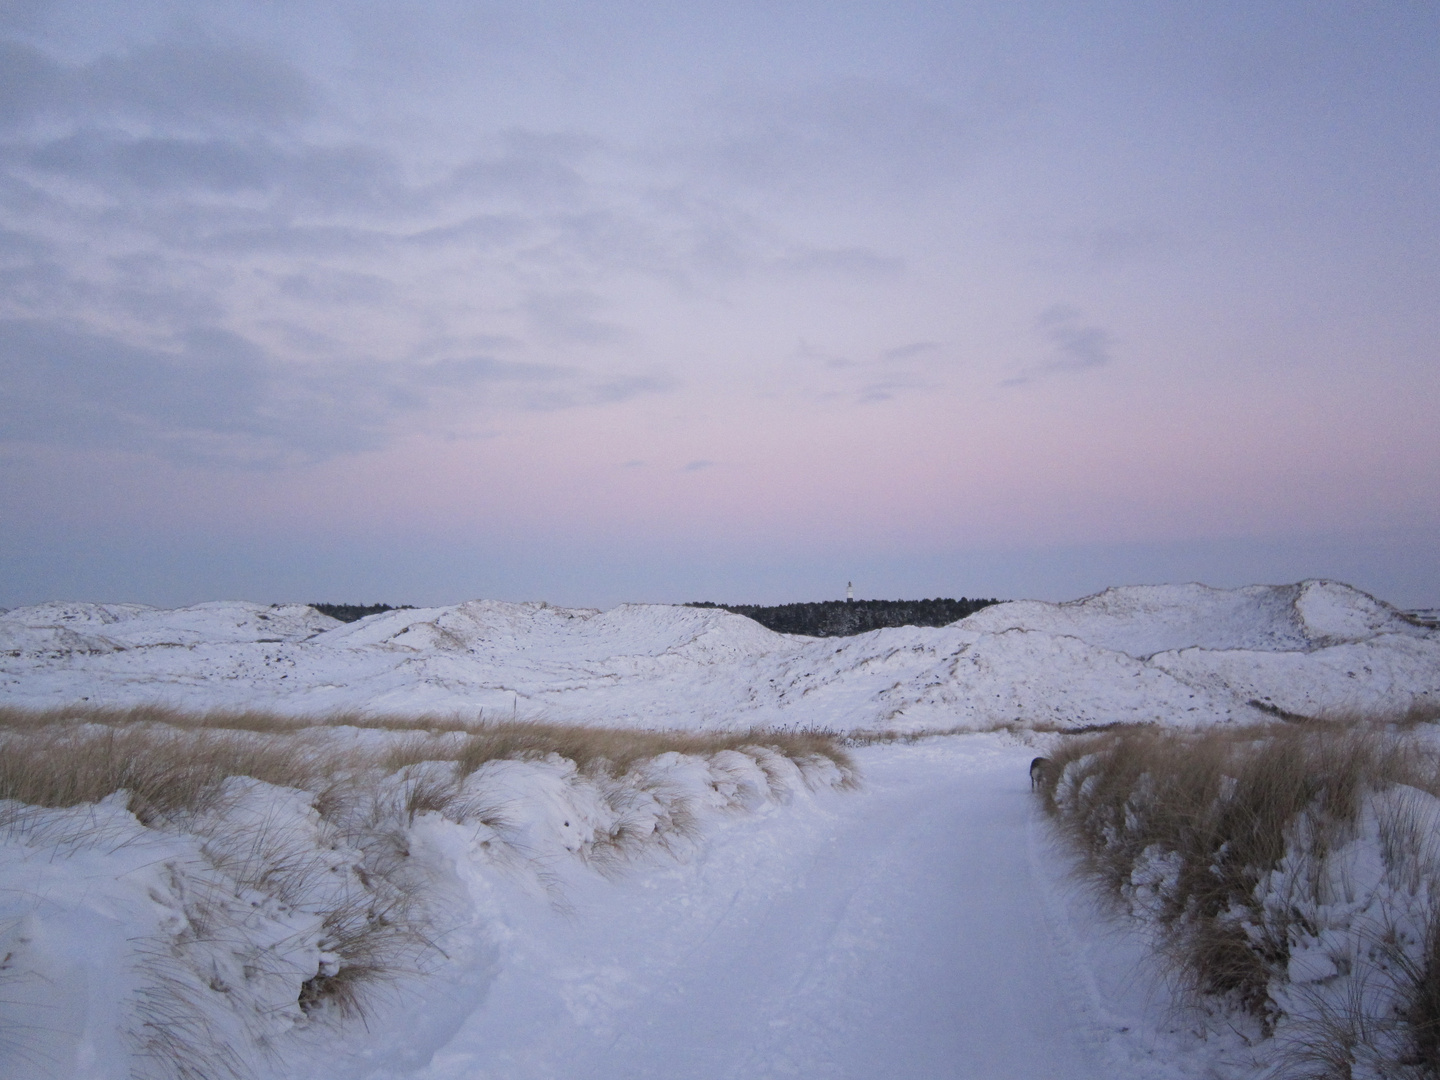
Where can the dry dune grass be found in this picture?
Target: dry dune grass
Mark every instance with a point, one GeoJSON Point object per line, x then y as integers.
{"type": "Point", "coordinates": [254, 720]}
{"type": "Point", "coordinates": [618, 748]}
{"type": "Point", "coordinates": [1019, 728]}
{"type": "Point", "coordinates": [171, 761]}
{"type": "Point", "coordinates": [164, 771]}
{"type": "Point", "coordinates": [1222, 800]}
{"type": "Point", "coordinates": [1221, 808]}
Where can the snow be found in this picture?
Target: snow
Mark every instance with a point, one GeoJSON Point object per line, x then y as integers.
{"type": "Point", "coordinates": [1170, 654]}
{"type": "Point", "coordinates": [845, 940]}
{"type": "Point", "coordinates": [759, 919]}
{"type": "Point", "coordinates": [66, 928]}
{"type": "Point", "coordinates": [920, 927]}
{"type": "Point", "coordinates": [135, 625]}
{"type": "Point", "coordinates": [128, 949]}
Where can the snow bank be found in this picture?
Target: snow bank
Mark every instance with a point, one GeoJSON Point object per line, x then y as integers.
{"type": "Point", "coordinates": [1359, 924]}
{"type": "Point", "coordinates": [1288, 881]}
{"type": "Point", "coordinates": [242, 934]}
{"type": "Point", "coordinates": [1171, 654]}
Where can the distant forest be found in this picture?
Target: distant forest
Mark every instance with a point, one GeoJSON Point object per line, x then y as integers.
{"type": "Point", "coordinates": [354, 612]}
{"type": "Point", "coordinates": [828, 618]}
{"type": "Point", "coordinates": [840, 618]}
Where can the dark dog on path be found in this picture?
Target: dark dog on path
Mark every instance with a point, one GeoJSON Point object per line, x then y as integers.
{"type": "Point", "coordinates": [1042, 772]}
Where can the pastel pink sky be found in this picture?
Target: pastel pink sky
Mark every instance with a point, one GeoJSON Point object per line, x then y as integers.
{"type": "Point", "coordinates": [602, 303]}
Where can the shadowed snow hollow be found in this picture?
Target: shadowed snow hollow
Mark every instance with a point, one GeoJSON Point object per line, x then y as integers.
{"type": "Point", "coordinates": [1168, 653]}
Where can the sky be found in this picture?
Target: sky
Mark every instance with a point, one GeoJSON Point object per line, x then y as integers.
{"type": "Point", "coordinates": [608, 302]}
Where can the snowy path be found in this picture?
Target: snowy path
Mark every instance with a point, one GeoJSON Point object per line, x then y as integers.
{"type": "Point", "coordinates": [896, 932]}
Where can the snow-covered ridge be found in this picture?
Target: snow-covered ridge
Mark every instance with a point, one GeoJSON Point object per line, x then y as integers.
{"type": "Point", "coordinates": [1168, 653]}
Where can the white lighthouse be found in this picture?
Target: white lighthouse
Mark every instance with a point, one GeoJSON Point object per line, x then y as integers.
{"type": "Point", "coordinates": [849, 592]}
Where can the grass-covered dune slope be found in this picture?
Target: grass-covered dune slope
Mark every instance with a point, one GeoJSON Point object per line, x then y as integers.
{"type": "Point", "coordinates": [1170, 654]}
{"type": "Point", "coordinates": [1289, 874]}
{"type": "Point", "coordinates": [222, 895]}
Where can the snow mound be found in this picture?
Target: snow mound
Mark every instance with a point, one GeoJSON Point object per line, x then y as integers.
{"type": "Point", "coordinates": [1143, 620]}
{"type": "Point", "coordinates": [1332, 613]}
{"type": "Point", "coordinates": [243, 934]}
{"type": "Point", "coordinates": [1186, 654]}
{"type": "Point", "coordinates": [50, 642]}
{"type": "Point", "coordinates": [137, 625]}
{"type": "Point", "coordinates": [82, 616]}
{"type": "Point", "coordinates": [701, 635]}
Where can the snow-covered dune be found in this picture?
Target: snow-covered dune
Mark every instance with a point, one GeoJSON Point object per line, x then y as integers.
{"type": "Point", "coordinates": [1168, 653]}
{"type": "Point", "coordinates": [891, 930]}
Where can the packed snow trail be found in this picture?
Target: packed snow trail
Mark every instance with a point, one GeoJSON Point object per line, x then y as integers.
{"type": "Point", "coordinates": [894, 932]}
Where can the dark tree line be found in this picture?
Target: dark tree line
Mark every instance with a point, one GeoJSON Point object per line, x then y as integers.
{"type": "Point", "coordinates": [355, 612]}
{"type": "Point", "coordinates": [840, 618]}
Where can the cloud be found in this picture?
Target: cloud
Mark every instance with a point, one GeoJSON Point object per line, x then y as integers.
{"type": "Point", "coordinates": [194, 79]}
{"type": "Point", "coordinates": [845, 135]}
{"type": "Point", "coordinates": [906, 352]}
{"type": "Point", "coordinates": [530, 164]}
{"type": "Point", "coordinates": [184, 138]}
{"type": "Point", "coordinates": [214, 397]}
{"type": "Point", "coordinates": [190, 81]}
{"type": "Point", "coordinates": [229, 166]}
{"type": "Point", "coordinates": [159, 163]}
{"type": "Point", "coordinates": [20, 247]}
{"type": "Point", "coordinates": [890, 387]}
{"type": "Point", "coordinates": [1079, 346]}
{"type": "Point", "coordinates": [1075, 346]}
{"type": "Point", "coordinates": [456, 374]}
{"type": "Point", "coordinates": [475, 231]}
{"type": "Point", "coordinates": [847, 262]}
{"type": "Point", "coordinates": [834, 361]}
{"type": "Point", "coordinates": [325, 286]}
{"type": "Point", "coordinates": [913, 367]}
{"type": "Point", "coordinates": [28, 81]}
{"type": "Point", "coordinates": [1112, 245]}
{"type": "Point", "coordinates": [331, 175]}
{"type": "Point", "coordinates": [699, 465]}
{"type": "Point", "coordinates": [569, 317]}
{"type": "Point", "coordinates": [612, 391]}
{"type": "Point", "coordinates": [163, 189]}
{"type": "Point", "coordinates": [69, 386]}
{"type": "Point", "coordinates": [25, 15]}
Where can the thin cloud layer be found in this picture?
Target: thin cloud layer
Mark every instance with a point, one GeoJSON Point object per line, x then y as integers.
{"type": "Point", "coordinates": [193, 81]}
{"type": "Point", "coordinates": [214, 397]}
{"type": "Point", "coordinates": [1075, 345]}
{"type": "Point", "coordinates": [839, 137]}
{"type": "Point", "coordinates": [194, 192]}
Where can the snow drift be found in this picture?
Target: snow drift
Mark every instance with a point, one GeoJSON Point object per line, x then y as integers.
{"type": "Point", "coordinates": [233, 935]}
{"type": "Point", "coordinates": [1184, 654]}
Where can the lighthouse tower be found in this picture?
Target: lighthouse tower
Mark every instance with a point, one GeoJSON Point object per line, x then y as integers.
{"type": "Point", "coordinates": [849, 592]}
